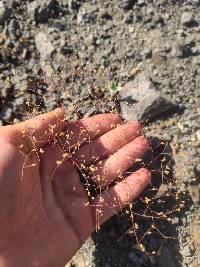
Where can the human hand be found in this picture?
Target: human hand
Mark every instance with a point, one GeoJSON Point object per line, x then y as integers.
{"type": "Point", "coordinates": [46, 213]}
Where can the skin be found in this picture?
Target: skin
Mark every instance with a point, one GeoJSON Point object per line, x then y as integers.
{"type": "Point", "coordinates": [46, 213]}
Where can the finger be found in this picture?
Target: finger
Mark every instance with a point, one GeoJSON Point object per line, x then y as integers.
{"type": "Point", "coordinates": [36, 132]}
{"type": "Point", "coordinates": [107, 144]}
{"type": "Point", "coordinates": [120, 195]}
{"type": "Point", "coordinates": [106, 171]}
{"type": "Point", "coordinates": [77, 133]}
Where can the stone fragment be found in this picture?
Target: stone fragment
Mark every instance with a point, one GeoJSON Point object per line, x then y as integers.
{"type": "Point", "coordinates": [128, 18]}
{"type": "Point", "coordinates": [141, 100]}
{"type": "Point", "coordinates": [158, 59]}
{"type": "Point", "coordinates": [186, 251]}
{"type": "Point", "coordinates": [141, 2]}
{"type": "Point", "coordinates": [44, 45]}
{"type": "Point", "coordinates": [177, 49]}
{"type": "Point", "coordinates": [197, 170]}
{"type": "Point", "coordinates": [79, 261]}
{"type": "Point", "coordinates": [41, 10]}
{"type": "Point", "coordinates": [195, 233]}
{"type": "Point", "coordinates": [14, 29]}
{"type": "Point", "coordinates": [194, 193]}
{"type": "Point", "coordinates": [5, 12]}
{"type": "Point", "coordinates": [85, 16]}
{"type": "Point", "coordinates": [187, 19]}
{"type": "Point", "coordinates": [198, 134]}
{"type": "Point", "coordinates": [5, 88]}
{"type": "Point", "coordinates": [5, 113]}
{"type": "Point", "coordinates": [74, 4]}
{"type": "Point", "coordinates": [126, 4]}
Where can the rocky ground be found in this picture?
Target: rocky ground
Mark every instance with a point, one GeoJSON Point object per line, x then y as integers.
{"type": "Point", "coordinates": [80, 54]}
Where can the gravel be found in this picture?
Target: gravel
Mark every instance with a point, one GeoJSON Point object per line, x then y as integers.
{"type": "Point", "coordinates": [89, 46]}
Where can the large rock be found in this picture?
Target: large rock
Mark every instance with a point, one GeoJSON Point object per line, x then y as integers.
{"type": "Point", "coordinates": [44, 45]}
{"type": "Point", "coordinates": [141, 100]}
{"type": "Point", "coordinates": [41, 10]}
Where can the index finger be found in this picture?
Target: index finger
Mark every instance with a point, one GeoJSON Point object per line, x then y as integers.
{"type": "Point", "coordinates": [77, 133]}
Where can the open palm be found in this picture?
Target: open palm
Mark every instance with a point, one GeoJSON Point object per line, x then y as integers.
{"type": "Point", "coordinates": [46, 167]}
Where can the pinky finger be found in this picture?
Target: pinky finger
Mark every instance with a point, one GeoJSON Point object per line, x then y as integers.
{"type": "Point", "coordinates": [120, 195]}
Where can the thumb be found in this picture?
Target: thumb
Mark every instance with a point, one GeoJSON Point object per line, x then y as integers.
{"type": "Point", "coordinates": [36, 132]}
